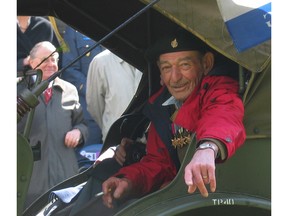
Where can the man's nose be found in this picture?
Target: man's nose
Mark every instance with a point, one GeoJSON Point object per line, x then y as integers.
{"type": "Point", "coordinates": [176, 73]}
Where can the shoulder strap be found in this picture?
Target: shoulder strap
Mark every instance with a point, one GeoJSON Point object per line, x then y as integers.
{"type": "Point", "coordinates": [63, 45]}
{"type": "Point", "coordinates": [160, 116]}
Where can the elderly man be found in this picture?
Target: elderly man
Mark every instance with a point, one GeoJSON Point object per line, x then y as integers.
{"type": "Point", "coordinates": [198, 99]}
{"type": "Point", "coordinates": [58, 125]}
{"type": "Point", "coordinates": [207, 103]}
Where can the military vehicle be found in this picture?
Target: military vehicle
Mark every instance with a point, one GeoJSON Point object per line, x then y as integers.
{"type": "Point", "coordinates": [127, 28]}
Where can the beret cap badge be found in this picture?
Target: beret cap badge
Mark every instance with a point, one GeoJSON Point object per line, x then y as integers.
{"type": "Point", "coordinates": [174, 43]}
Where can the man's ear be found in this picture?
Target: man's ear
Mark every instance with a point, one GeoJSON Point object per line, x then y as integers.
{"type": "Point", "coordinates": [208, 62]}
{"type": "Point", "coordinates": [30, 62]}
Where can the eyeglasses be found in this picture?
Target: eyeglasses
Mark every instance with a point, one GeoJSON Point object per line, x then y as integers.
{"type": "Point", "coordinates": [52, 59]}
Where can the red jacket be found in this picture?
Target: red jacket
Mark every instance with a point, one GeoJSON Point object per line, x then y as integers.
{"type": "Point", "coordinates": [214, 110]}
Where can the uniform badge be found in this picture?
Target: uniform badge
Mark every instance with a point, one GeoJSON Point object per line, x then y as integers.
{"type": "Point", "coordinates": [174, 43]}
{"type": "Point", "coordinates": [87, 54]}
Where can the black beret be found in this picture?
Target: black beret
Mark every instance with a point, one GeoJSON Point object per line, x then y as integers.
{"type": "Point", "coordinates": [181, 40]}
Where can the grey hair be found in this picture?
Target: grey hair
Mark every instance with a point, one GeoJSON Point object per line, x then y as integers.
{"type": "Point", "coordinates": [45, 44]}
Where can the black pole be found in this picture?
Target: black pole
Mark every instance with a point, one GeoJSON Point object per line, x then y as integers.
{"type": "Point", "coordinates": [52, 77]}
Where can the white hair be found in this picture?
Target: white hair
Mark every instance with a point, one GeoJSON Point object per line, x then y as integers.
{"type": "Point", "coordinates": [43, 44]}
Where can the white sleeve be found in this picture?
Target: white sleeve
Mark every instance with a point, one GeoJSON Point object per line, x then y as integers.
{"type": "Point", "coordinates": [95, 90]}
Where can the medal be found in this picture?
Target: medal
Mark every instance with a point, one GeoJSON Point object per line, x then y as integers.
{"type": "Point", "coordinates": [182, 137]}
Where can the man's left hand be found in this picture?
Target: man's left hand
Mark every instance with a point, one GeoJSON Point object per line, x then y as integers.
{"type": "Point", "coordinates": [200, 172]}
{"type": "Point", "coordinates": [72, 138]}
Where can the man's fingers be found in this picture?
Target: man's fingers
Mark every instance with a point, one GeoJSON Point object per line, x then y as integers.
{"type": "Point", "coordinates": [192, 189]}
{"type": "Point", "coordinates": [188, 176]}
{"type": "Point", "coordinates": [108, 200]}
{"type": "Point", "coordinates": [205, 176]}
{"type": "Point", "coordinates": [212, 180]}
{"type": "Point", "coordinates": [202, 189]}
{"type": "Point", "coordinates": [197, 180]}
{"type": "Point", "coordinates": [108, 188]}
{"type": "Point", "coordinates": [120, 155]}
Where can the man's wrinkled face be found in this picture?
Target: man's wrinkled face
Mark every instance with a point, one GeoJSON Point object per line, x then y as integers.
{"type": "Point", "coordinates": [181, 72]}
{"type": "Point", "coordinates": [49, 66]}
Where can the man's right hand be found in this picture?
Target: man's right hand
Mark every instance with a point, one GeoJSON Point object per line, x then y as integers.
{"type": "Point", "coordinates": [120, 152]}
{"type": "Point", "coordinates": [115, 189]}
